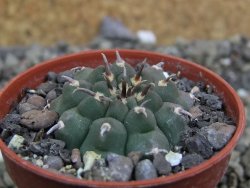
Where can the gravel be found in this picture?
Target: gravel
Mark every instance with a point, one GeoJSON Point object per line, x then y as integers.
{"type": "Point", "coordinates": [229, 58]}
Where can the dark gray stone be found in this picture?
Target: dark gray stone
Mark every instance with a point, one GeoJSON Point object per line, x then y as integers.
{"type": "Point", "coordinates": [162, 166]}
{"type": "Point", "coordinates": [191, 160]}
{"type": "Point", "coordinates": [65, 155]}
{"type": "Point", "coordinates": [54, 162]}
{"type": "Point", "coordinates": [12, 119]}
{"type": "Point", "coordinates": [52, 76]}
{"type": "Point", "coordinates": [218, 134]}
{"type": "Point", "coordinates": [47, 86]}
{"type": "Point", "coordinates": [200, 145]}
{"type": "Point", "coordinates": [37, 149]}
{"type": "Point", "coordinates": [68, 73]}
{"type": "Point", "coordinates": [145, 170]}
{"type": "Point", "coordinates": [120, 167]}
{"type": "Point", "coordinates": [51, 95]}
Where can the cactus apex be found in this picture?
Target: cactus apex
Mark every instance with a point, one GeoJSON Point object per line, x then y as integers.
{"type": "Point", "coordinates": [124, 89]}
{"type": "Point", "coordinates": [138, 78]}
{"type": "Point", "coordinates": [55, 127]}
{"type": "Point", "coordinates": [141, 110]}
{"type": "Point", "coordinates": [140, 96]}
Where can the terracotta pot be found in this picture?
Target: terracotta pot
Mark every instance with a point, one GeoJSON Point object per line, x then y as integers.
{"type": "Point", "coordinates": [205, 175]}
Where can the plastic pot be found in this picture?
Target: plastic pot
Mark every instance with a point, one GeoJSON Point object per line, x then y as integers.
{"type": "Point", "coordinates": [205, 175]}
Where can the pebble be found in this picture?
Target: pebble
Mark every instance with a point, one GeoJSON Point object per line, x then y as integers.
{"type": "Point", "coordinates": [39, 162]}
{"type": "Point", "coordinates": [235, 164]}
{"type": "Point", "coordinates": [145, 170]}
{"type": "Point", "coordinates": [246, 162]}
{"type": "Point", "coordinates": [25, 107]}
{"type": "Point", "coordinates": [37, 101]}
{"type": "Point", "coordinates": [54, 162]}
{"type": "Point", "coordinates": [191, 160]}
{"type": "Point", "coordinates": [210, 100]}
{"type": "Point", "coordinates": [135, 156]}
{"type": "Point", "coordinates": [218, 134]}
{"type": "Point", "coordinates": [62, 80]}
{"type": "Point", "coordinates": [96, 174]}
{"type": "Point", "coordinates": [37, 119]}
{"type": "Point", "coordinates": [11, 60]}
{"type": "Point", "coordinates": [162, 166]}
{"type": "Point", "coordinates": [47, 86]}
{"type": "Point", "coordinates": [200, 145]}
{"type": "Point", "coordinates": [61, 144]}
{"type": "Point", "coordinates": [196, 112]}
{"type": "Point", "coordinates": [51, 95]}
{"type": "Point", "coordinates": [173, 158]}
{"type": "Point", "coordinates": [76, 158]}
{"type": "Point", "coordinates": [120, 167]}
{"type": "Point", "coordinates": [12, 119]}
{"type": "Point", "coordinates": [16, 142]}
{"type": "Point", "coordinates": [52, 76]}
{"type": "Point", "coordinates": [244, 142]}
{"type": "Point", "coordinates": [37, 148]}
{"type": "Point", "coordinates": [65, 155]}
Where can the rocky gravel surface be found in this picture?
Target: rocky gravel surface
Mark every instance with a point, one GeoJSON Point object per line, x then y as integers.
{"type": "Point", "coordinates": [230, 58]}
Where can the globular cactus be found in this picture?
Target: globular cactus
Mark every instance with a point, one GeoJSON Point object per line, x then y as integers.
{"type": "Point", "coordinates": [113, 108]}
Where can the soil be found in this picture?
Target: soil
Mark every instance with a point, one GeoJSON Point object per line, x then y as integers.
{"type": "Point", "coordinates": [24, 131]}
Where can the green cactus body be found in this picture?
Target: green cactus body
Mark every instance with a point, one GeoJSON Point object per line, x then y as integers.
{"type": "Point", "coordinates": [114, 109]}
{"type": "Point", "coordinates": [69, 98]}
{"type": "Point", "coordinates": [152, 74]}
{"type": "Point", "coordinates": [102, 87]}
{"type": "Point", "coordinates": [117, 110]}
{"type": "Point", "coordinates": [143, 133]}
{"type": "Point", "coordinates": [170, 93]}
{"type": "Point", "coordinates": [118, 68]}
{"type": "Point", "coordinates": [154, 101]}
{"type": "Point", "coordinates": [74, 130]}
{"type": "Point", "coordinates": [96, 75]}
{"type": "Point", "coordinates": [131, 102]}
{"type": "Point", "coordinates": [171, 124]}
{"type": "Point", "coordinates": [83, 74]}
{"type": "Point", "coordinates": [92, 108]}
{"type": "Point", "coordinates": [105, 135]}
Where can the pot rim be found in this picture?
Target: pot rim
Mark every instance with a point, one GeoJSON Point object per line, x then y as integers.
{"type": "Point", "coordinates": [141, 183]}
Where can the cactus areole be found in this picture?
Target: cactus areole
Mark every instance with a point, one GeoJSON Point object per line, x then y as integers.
{"type": "Point", "coordinates": [114, 108]}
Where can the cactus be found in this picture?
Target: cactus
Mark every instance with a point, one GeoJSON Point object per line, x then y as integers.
{"type": "Point", "coordinates": [113, 108]}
